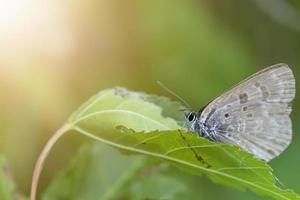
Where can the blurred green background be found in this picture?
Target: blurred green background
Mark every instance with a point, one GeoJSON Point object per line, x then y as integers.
{"type": "Point", "coordinates": [56, 54]}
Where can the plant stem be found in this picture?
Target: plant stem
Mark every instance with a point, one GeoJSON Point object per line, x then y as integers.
{"type": "Point", "coordinates": [42, 157]}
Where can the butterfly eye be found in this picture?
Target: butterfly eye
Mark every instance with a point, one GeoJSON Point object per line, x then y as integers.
{"type": "Point", "coordinates": [191, 117]}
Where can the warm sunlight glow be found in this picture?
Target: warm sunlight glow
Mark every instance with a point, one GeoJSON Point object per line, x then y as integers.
{"type": "Point", "coordinates": [17, 16]}
{"type": "Point", "coordinates": [32, 30]}
{"type": "Point", "coordinates": [9, 12]}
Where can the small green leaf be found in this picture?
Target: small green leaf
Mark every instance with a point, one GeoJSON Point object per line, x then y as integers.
{"type": "Point", "coordinates": [7, 186]}
{"type": "Point", "coordinates": [154, 133]}
{"type": "Point", "coordinates": [96, 172]}
{"type": "Point", "coordinates": [156, 186]}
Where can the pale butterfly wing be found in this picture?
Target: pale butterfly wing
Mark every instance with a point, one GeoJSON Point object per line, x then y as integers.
{"type": "Point", "coordinates": [255, 114]}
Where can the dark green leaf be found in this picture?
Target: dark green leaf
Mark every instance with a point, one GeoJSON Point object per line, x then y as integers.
{"type": "Point", "coordinates": [97, 172]}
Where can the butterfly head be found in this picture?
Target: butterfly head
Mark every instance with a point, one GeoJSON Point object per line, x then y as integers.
{"type": "Point", "coordinates": [192, 121]}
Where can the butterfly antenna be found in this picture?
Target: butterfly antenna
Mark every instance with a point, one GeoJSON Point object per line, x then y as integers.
{"type": "Point", "coordinates": [174, 94]}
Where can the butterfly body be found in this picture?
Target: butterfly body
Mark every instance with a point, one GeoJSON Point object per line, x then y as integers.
{"type": "Point", "coordinates": [253, 115]}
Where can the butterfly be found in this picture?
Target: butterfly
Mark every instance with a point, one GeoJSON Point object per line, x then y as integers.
{"type": "Point", "coordinates": [253, 115]}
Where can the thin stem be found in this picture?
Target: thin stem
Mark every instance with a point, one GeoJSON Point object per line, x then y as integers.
{"type": "Point", "coordinates": [42, 157]}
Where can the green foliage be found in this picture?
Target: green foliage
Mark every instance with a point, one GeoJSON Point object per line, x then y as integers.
{"type": "Point", "coordinates": [131, 122]}
{"type": "Point", "coordinates": [157, 186]}
{"type": "Point", "coordinates": [7, 185]}
{"type": "Point", "coordinates": [100, 172]}
{"type": "Point", "coordinates": [93, 174]}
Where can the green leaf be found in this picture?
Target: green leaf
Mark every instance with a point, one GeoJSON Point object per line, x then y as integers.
{"type": "Point", "coordinates": [96, 172]}
{"type": "Point", "coordinates": [156, 186]}
{"type": "Point", "coordinates": [147, 129]}
{"type": "Point", "coordinates": [139, 111]}
{"type": "Point", "coordinates": [7, 185]}
{"type": "Point", "coordinates": [100, 172]}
